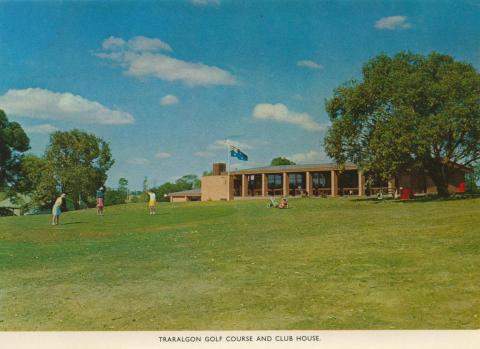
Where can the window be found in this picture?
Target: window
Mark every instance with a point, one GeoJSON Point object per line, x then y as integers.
{"type": "Point", "coordinates": [275, 181]}
{"type": "Point", "coordinates": [320, 180]}
{"type": "Point", "coordinates": [297, 180]}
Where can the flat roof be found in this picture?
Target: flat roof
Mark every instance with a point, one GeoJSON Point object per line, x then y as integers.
{"type": "Point", "coordinates": [296, 168]}
{"type": "Point", "coordinates": [191, 192]}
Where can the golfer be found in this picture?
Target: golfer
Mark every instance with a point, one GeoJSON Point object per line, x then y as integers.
{"type": "Point", "coordinates": [100, 201]}
{"type": "Point", "coordinates": [57, 209]}
{"type": "Point", "coordinates": [152, 202]}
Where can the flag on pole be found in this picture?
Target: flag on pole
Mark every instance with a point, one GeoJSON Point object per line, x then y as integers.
{"type": "Point", "coordinates": [237, 153]}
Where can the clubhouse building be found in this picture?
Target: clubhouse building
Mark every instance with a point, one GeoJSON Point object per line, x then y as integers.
{"type": "Point", "coordinates": [314, 180]}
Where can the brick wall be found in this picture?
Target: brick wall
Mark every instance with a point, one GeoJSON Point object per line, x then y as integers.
{"type": "Point", "coordinates": [215, 188]}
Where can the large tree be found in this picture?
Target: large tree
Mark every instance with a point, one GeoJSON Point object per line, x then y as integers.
{"type": "Point", "coordinates": [38, 180]}
{"type": "Point", "coordinates": [75, 162]}
{"type": "Point", "coordinates": [409, 113]}
{"type": "Point", "coordinates": [13, 143]}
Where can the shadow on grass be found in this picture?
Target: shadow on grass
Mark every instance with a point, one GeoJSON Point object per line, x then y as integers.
{"type": "Point", "coordinates": [423, 198]}
{"type": "Point", "coordinates": [73, 223]}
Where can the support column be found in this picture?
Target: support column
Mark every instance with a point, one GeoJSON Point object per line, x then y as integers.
{"type": "Point", "coordinates": [264, 185]}
{"type": "Point", "coordinates": [286, 184]}
{"type": "Point", "coordinates": [334, 183]}
{"type": "Point", "coordinates": [309, 184]}
{"type": "Point", "coordinates": [361, 183]}
{"type": "Point", "coordinates": [244, 185]}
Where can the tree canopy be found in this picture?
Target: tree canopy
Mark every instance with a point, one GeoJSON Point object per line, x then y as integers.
{"type": "Point", "coordinates": [278, 161]}
{"type": "Point", "coordinates": [13, 143]}
{"type": "Point", "coordinates": [75, 162]}
{"type": "Point", "coordinates": [185, 182]}
{"type": "Point", "coordinates": [409, 113]}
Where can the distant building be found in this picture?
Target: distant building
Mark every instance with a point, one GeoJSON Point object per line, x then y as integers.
{"type": "Point", "coordinates": [186, 195]}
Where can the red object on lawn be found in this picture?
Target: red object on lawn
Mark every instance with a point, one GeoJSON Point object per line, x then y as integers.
{"type": "Point", "coordinates": [461, 187]}
{"type": "Point", "coordinates": [406, 194]}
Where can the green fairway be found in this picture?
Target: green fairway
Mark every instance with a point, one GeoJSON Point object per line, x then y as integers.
{"type": "Point", "coordinates": [322, 264]}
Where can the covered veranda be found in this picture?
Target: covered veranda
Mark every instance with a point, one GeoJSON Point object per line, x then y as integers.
{"type": "Point", "coordinates": [299, 180]}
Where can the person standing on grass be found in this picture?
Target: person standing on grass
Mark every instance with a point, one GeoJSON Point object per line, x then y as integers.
{"type": "Point", "coordinates": [100, 201]}
{"type": "Point", "coordinates": [152, 202]}
{"type": "Point", "coordinates": [57, 209]}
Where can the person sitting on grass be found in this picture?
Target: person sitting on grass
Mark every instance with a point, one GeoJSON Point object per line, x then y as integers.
{"type": "Point", "coordinates": [272, 203]}
{"type": "Point", "coordinates": [100, 201]}
{"type": "Point", "coordinates": [283, 203]}
{"type": "Point", "coordinates": [57, 209]}
{"type": "Point", "coordinates": [152, 202]}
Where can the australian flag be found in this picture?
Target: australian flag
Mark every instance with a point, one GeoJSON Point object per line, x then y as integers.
{"type": "Point", "coordinates": [237, 153]}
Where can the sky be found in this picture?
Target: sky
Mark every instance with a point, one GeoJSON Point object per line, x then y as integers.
{"type": "Point", "coordinates": [165, 83]}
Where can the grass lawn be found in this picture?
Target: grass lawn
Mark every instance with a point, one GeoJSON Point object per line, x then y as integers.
{"type": "Point", "coordinates": [322, 264]}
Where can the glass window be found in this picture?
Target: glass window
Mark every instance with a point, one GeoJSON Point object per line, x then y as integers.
{"type": "Point", "coordinates": [254, 181]}
{"type": "Point", "coordinates": [274, 181]}
{"type": "Point", "coordinates": [297, 180]}
{"type": "Point", "coordinates": [319, 180]}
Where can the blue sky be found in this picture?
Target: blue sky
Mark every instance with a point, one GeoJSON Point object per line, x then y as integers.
{"type": "Point", "coordinates": [165, 82]}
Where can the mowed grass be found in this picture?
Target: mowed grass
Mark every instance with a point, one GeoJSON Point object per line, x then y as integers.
{"type": "Point", "coordinates": [322, 264]}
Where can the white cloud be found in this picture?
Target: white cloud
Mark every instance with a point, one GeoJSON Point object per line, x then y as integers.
{"type": "Point", "coordinates": [205, 154]}
{"type": "Point", "coordinates": [138, 161]}
{"type": "Point", "coordinates": [112, 42]}
{"type": "Point", "coordinates": [310, 156]}
{"type": "Point", "coordinates": [206, 2]}
{"type": "Point", "coordinates": [168, 100]}
{"type": "Point", "coordinates": [142, 43]}
{"type": "Point", "coordinates": [220, 145]}
{"type": "Point", "coordinates": [138, 59]}
{"type": "Point", "coordinates": [42, 129]}
{"type": "Point", "coordinates": [138, 43]}
{"type": "Point", "coordinates": [218, 148]}
{"type": "Point", "coordinates": [392, 23]}
{"type": "Point", "coordinates": [38, 103]}
{"type": "Point", "coordinates": [162, 155]}
{"type": "Point", "coordinates": [309, 64]}
{"type": "Point", "coordinates": [280, 113]}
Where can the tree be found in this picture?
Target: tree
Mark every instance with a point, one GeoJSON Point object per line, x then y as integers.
{"type": "Point", "coordinates": [123, 186]}
{"type": "Point", "coordinates": [410, 113]}
{"type": "Point", "coordinates": [281, 161]}
{"type": "Point", "coordinates": [13, 143]}
{"type": "Point", "coordinates": [38, 180]}
{"type": "Point", "coordinates": [75, 162]}
{"type": "Point", "coordinates": [188, 182]}
{"type": "Point", "coordinates": [117, 196]}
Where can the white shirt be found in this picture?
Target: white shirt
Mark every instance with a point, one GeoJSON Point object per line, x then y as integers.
{"type": "Point", "coordinates": [152, 196]}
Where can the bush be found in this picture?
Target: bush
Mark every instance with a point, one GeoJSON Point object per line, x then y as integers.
{"type": "Point", "coordinates": [115, 197]}
{"type": "Point", "coordinates": [143, 197]}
